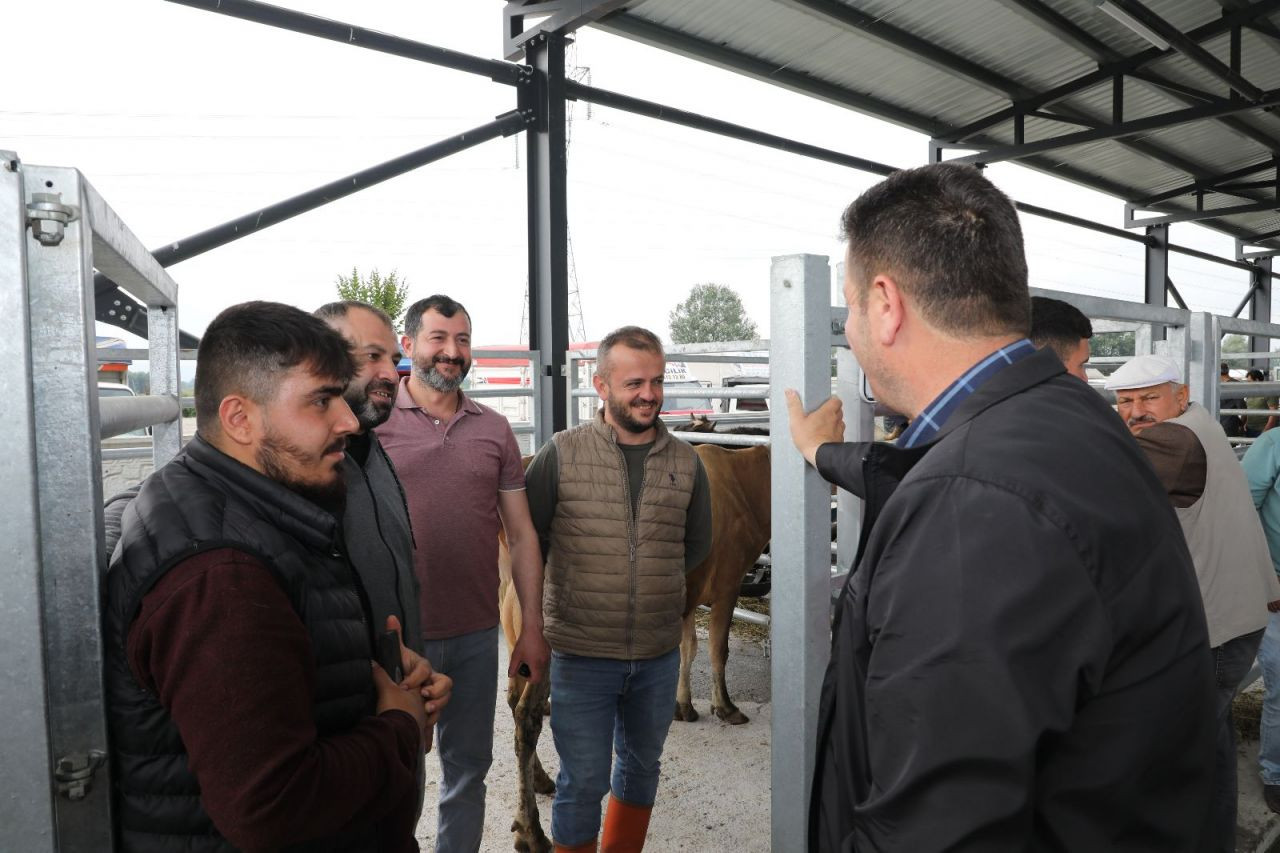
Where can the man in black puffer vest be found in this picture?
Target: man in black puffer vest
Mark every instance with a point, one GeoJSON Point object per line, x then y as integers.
{"type": "Point", "coordinates": [244, 708]}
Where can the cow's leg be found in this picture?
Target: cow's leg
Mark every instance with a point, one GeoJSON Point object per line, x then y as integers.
{"type": "Point", "coordinates": [527, 702]}
{"type": "Point", "coordinates": [688, 651]}
{"type": "Point", "coordinates": [718, 639]}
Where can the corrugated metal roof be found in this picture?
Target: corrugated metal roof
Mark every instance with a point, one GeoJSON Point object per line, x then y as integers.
{"type": "Point", "coordinates": [938, 66]}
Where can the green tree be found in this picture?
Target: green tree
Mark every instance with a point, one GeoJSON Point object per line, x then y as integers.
{"type": "Point", "coordinates": [139, 381]}
{"type": "Point", "coordinates": [713, 312]}
{"type": "Point", "coordinates": [389, 293]}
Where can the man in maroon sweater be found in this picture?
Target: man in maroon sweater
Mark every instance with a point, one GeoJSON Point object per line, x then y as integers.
{"type": "Point", "coordinates": [245, 709]}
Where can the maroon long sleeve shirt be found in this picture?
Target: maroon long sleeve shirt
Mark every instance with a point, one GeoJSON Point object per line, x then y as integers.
{"type": "Point", "coordinates": [217, 640]}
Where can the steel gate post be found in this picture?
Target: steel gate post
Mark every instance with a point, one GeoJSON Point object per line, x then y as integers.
{"type": "Point", "coordinates": [26, 754]}
{"type": "Point", "coordinates": [1204, 334]}
{"type": "Point", "coordinates": [800, 358]}
{"type": "Point", "coordinates": [69, 468]}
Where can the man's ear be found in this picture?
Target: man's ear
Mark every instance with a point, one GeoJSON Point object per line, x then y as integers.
{"type": "Point", "coordinates": [406, 345]}
{"type": "Point", "coordinates": [238, 418]}
{"type": "Point", "coordinates": [1183, 395]}
{"type": "Point", "coordinates": [599, 384]}
{"type": "Point", "coordinates": [886, 309]}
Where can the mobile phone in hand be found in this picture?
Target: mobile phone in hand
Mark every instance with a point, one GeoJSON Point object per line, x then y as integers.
{"type": "Point", "coordinates": [389, 655]}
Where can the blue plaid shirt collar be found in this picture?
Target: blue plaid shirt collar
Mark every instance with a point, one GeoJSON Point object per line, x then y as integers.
{"type": "Point", "coordinates": [926, 425]}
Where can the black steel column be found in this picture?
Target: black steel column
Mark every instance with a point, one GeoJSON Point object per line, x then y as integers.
{"type": "Point", "coordinates": [548, 231]}
{"type": "Point", "coordinates": [1260, 307]}
{"type": "Point", "coordinates": [1155, 291]}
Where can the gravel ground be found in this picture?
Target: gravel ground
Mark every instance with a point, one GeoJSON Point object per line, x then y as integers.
{"type": "Point", "coordinates": [714, 794]}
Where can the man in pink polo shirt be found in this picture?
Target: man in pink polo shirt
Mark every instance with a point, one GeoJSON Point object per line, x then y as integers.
{"type": "Point", "coordinates": [460, 466]}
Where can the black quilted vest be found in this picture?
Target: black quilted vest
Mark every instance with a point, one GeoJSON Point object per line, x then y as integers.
{"type": "Point", "coordinates": [200, 501]}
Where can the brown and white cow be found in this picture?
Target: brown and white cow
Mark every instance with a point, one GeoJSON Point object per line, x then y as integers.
{"type": "Point", "coordinates": [740, 517]}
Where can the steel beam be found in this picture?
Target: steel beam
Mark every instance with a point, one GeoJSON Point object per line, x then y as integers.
{"type": "Point", "coordinates": [1131, 221]}
{"type": "Point", "coordinates": [646, 32]}
{"type": "Point", "coordinates": [1260, 305]}
{"type": "Point", "coordinates": [578, 91]}
{"type": "Point", "coordinates": [1156, 271]}
{"type": "Point", "coordinates": [132, 315]}
{"type": "Point", "coordinates": [873, 27]}
{"type": "Point", "coordinates": [313, 25]}
{"type": "Point", "coordinates": [548, 230]}
{"type": "Point", "coordinates": [1108, 70]}
{"type": "Point", "coordinates": [1130, 128]}
{"type": "Point", "coordinates": [1189, 48]}
{"type": "Point", "coordinates": [1208, 183]}
{"type": "Point", "coordinates": [559, 16]}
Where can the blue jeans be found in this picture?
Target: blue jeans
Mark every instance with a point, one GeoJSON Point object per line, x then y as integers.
{"type": "Point", "coordinates": [464, 735]}
{"type": "Point", "coordinates": [1269, 659]}
{"type": "Point", "coordinates": [1231, 662]}
{"type": "Point", "coordinates": [602, 706]}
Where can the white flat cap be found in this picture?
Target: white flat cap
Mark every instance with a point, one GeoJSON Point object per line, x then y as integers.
{"type": "Point", "coordinates": [1143, 371]}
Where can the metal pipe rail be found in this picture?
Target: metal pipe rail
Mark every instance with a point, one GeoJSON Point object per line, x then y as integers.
{"type": "Point", "coordinates": [723, 438]}
{"type": "Point", "coordinates": [119, 415]}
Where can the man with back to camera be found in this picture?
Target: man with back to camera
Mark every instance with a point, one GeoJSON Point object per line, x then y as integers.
{"type": "Point", "coordinates": [463, 478]}
{"type": "Point", "coordinates": [623, 512]}
{"type": "Point", "coordinates": [1063, 328]}
{"type": "Point", "coordinates": [243, 709]}
{"type": "Point", "coordinates": [1210, 494]}
{"type": "Point", "coordinates": [1019, 659]}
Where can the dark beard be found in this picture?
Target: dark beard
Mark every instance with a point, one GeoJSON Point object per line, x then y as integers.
{"type": "Point", "coordinates": [429, 376]}
{"type": "Point", "coordinates": [367, 412]}
{"type": "Point", "coordinates": [331, 497]}
{"type": "Point", "coordinates": [623, 418]}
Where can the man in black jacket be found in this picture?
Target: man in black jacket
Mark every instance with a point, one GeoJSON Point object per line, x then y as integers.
{"type": "Point", "coordinates": [1020, 659]}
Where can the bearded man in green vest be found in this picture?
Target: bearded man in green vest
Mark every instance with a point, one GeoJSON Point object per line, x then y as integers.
{"type": "Point", "coordinates": [623, 511]}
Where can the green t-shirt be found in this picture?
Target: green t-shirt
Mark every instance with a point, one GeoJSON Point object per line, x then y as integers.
{"type": "Point", "coordinates": [1258, 422]}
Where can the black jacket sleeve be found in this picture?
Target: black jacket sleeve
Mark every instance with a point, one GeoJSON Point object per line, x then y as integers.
{"type": "Point", "coordinates": [984, 629]}
{"type": "Point", "coordinates": [840, 463]}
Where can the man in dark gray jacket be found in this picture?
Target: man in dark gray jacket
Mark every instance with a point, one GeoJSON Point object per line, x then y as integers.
{"type": "Point", "coordinates": [1020, 659]}
{"type": "Point", "coordinates": [376, 517]}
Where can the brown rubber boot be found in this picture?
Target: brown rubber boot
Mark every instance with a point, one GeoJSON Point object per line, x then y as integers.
{"type": "Point", "coordinates": [589, 847]}
{"type": "Point", "coordinates": [625, 827]}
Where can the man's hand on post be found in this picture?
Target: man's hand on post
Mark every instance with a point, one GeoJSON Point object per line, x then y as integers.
{"type": "Point", "coordinates": [531, 649]}
{"type": "Point", "coordinates": [811, 431]}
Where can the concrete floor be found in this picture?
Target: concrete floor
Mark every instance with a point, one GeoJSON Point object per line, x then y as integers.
{"type": "Point", "coordinates": [714, 794]}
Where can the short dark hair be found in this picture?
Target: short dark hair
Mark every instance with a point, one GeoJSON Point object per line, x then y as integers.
{"type": "Point", "coordinates": [248, 347]}
{"type": "Point", "coordinates": [1222, 367]}
{"type": "Point", "coordinates": [632, 337]}
{"type": "Point", "coordinates": [1256, 375]}
{"type": "Point", "coordinates": [1058, 325]}
{"type": "Point", "coordinates": [952, 242]}
{"type": "Point", "coordinates": [335, 310]}
{"type": "Point", "coordinates": [439, 303]}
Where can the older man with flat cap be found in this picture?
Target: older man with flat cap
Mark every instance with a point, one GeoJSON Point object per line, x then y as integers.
{"type": "Point", "coordinates": [1195, 462]}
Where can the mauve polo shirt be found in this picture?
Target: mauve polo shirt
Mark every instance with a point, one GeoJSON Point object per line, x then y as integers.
{"type": "Point", "coordinates": [452, 472]}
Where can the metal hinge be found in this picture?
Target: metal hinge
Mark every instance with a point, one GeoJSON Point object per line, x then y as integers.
{"type": "Point", "coordinates": [48, 217]}
{"type": "Point", "coordinates": [74, 773]}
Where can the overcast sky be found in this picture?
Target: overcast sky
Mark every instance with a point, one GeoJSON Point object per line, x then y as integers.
{"type": "Point", "coordinates": [184, 119]}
